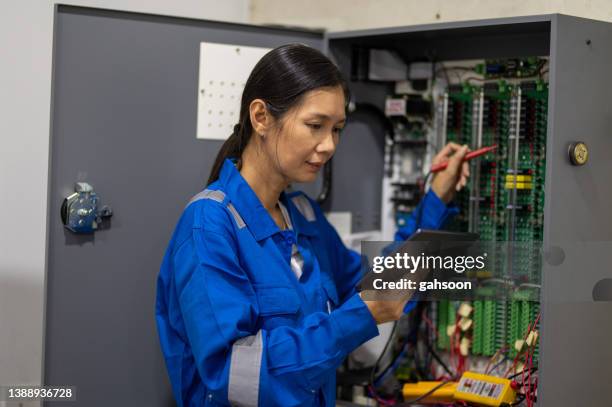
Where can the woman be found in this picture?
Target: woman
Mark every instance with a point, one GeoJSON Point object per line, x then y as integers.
{"type": "Point", "coordinates": [256, 301]}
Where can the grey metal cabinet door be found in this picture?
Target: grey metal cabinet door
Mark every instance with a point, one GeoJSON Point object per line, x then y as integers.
{"type": "Point", "coordinates": [124, 120]}
{"type": "Point", "coordinates": [575, 358]}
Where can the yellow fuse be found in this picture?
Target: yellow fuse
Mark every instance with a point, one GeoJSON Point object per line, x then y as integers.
{"type": "Point", "coordinates": [479, 274]}
{"type": "Point", "coordinates": [519, 178]}
{"type": "Point", "coordinates": [484, 390]}
{"type": "Point", "coordinates": [444, 394]}
{"type": "Point", "coordinates": [519, 185]}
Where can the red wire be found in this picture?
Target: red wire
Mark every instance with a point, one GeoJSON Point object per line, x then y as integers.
{"type": "Point", "coordinates": [535, 323]}
{"type": "Point", "coordinates": [453, 345]}
{"type": "Point", "coordinates": [529, 328]}
{"type": "Point", "coordinates": [523, 381]}
{"type": "Point", "coordinates": [380, 399]}
{"type": "Point", "coordinates": [429, 324]}
{"type": "Point", "coordinates": [529, 389]}
{"type": "Point", "coordinates": [518, 354]}
{"type": "Point", "coordinates": [527, 365]}
{"type": "Point", "coordinates": [537, 320]}
{"type": "Point", "coordinates": [457, 335]}
{"type": "Point", "coordinates": [530, 353]}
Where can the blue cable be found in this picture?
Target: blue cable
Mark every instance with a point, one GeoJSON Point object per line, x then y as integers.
{"type": "Point", "coordinates": [499, 364]}
{"type": "Point", "coordinates": [392, 367]}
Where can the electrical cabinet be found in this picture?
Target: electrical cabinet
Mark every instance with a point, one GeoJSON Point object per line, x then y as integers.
{"type": "Point", "coordinates": [124, 120]}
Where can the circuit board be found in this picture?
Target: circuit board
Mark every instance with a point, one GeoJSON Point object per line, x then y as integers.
{"type": "Point", "coordinates": [504, 202]}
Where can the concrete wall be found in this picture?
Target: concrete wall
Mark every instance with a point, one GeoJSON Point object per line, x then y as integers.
{"type": "Point", "coordinates": [340, 15]}
{"type": "Point", "coordinates": [26, 30]}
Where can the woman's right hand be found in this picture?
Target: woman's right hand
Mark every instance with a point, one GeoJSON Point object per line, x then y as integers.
{"type": "Point", "coordinates": [386, 310]}
{"type": "Point", "coordinates": [455, 176]}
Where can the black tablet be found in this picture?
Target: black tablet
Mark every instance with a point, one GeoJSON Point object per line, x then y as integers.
{"type": "Point", "coordinates": [423, 243]}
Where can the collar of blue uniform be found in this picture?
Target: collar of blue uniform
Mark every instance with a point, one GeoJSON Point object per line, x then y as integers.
{"type": "Point", "coordinates": [248, 205]}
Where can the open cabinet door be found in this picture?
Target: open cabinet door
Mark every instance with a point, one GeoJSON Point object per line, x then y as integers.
{"type": "Point", "coordinates": [124, 117]}
{"type": "Point", "coordinates": [575, 366]}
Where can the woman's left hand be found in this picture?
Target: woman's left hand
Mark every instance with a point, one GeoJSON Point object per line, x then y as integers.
{"type": "Point", "coordinates": [454, 177]}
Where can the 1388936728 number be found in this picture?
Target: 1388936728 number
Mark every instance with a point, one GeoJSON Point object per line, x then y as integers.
{"type": "Point", "coordinates": [22, 393]}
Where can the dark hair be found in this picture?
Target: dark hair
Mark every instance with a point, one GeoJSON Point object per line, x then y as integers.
{"type": "Point", "coordinates": [280, 79]}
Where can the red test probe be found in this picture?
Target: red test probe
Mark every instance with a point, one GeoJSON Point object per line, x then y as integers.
{"type": "Point", "coordinates": [468, 156]}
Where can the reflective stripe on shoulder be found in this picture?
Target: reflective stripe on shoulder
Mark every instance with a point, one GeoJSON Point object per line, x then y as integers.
{"type": "Point", "coordinates": [215, 195]}
{"type": "Point", "coordinates": [218, 196]}
{"type": "Point", "coordinates": [305, 207]}
{"type": "Point", "coordinates": [245, 364]}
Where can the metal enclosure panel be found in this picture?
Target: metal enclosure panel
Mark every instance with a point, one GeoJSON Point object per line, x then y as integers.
{"type": "Point", "coordinates": [495, 25]}
{"type": "Point", "coordinates": [493, 38]}
{"type": "Point", "coordinates": [124, 119]}
{"type": "Point", "coordinates": [576, 332]}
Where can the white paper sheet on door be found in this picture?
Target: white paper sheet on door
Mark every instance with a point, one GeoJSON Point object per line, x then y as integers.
{"type": "Point", "coordinates": [224, 69]}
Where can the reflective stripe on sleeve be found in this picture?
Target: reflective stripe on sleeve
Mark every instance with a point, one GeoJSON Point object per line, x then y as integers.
{"type": "Point", "coordinates": [243, 389]}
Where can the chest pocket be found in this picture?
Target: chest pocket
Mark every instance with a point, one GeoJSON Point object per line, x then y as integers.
{"type": "Point", "coordinates": [278, 305]}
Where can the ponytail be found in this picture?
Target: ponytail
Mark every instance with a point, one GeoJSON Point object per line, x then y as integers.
{"type": "Point", "coordinates": [233, 147]}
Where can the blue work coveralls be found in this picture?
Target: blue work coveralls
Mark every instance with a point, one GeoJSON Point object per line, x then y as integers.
{"type": "Point", "coordinates": [236, 326]}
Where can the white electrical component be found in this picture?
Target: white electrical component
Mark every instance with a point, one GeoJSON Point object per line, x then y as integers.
{"type": "Point", "coordinates": [224, 69]}
{"type": "Point", "coordinates": [465, 310]}
{"type": "Point", "coordinates": [518, 345]}
{"type": "Point", "coordinates": [465, 324]}
{"type": "Point", "coordinates": [532, 338]}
